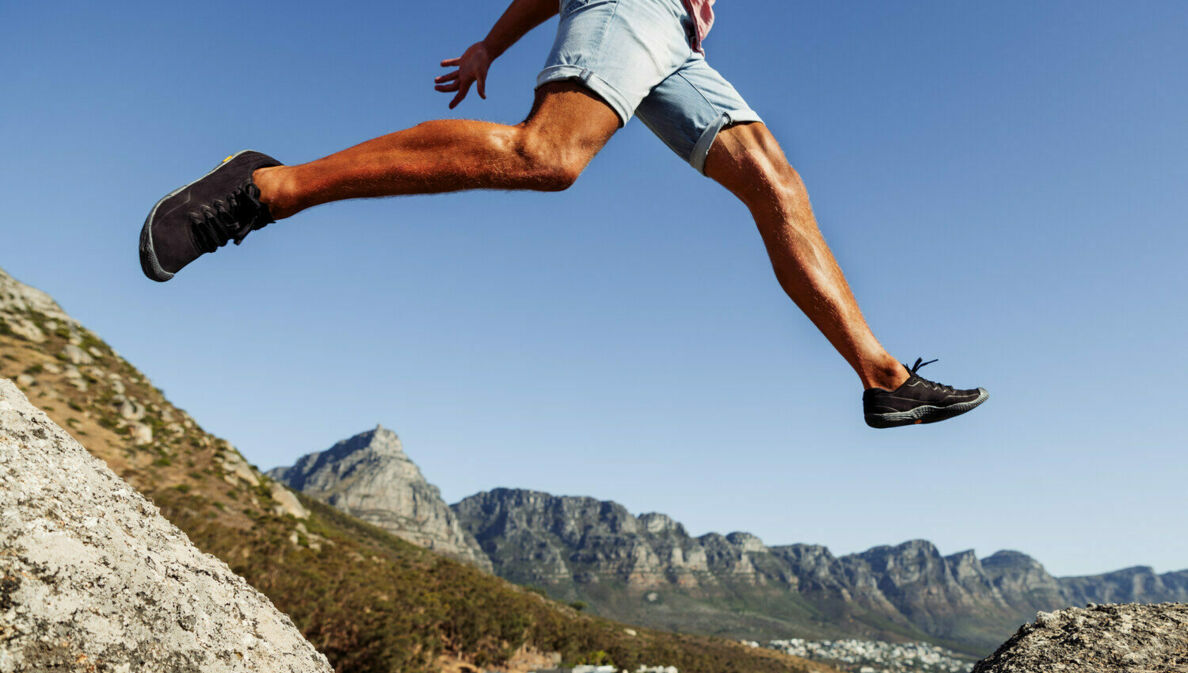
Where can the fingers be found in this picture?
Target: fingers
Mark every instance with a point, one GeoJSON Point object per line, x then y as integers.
{"type": "Point", "coordinates": [461, 94]}
{"type": "Point", "coordinates": [447, 82]}
{"type": "Point", "coordinates": [473, 71]}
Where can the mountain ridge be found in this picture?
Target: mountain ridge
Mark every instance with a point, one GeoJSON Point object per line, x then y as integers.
{"type": "Point", "coordinates": [648, 569]}
{"type": "Point", "coordinates": [576, 545]}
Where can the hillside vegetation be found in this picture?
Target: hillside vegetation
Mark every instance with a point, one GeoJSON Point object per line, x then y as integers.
{"type": "Point", "coordinates": [368, 600]}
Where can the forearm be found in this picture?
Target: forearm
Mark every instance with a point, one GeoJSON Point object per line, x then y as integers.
{"type": "Point", "coordinates": [521, 16]}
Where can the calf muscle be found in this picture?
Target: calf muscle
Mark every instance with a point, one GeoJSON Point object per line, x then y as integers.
{"type": "Point", "coordinates": [747, 160]}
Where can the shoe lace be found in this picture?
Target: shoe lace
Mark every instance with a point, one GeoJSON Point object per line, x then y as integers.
{"type": "Point", "coordinates": [232, 218]}
{"type": "Point", "coordinates": [932, 384]}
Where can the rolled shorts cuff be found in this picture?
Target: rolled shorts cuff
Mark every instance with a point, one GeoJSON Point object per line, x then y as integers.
{"type": "Point", "coordinates": [702, 147]}
{"type": "Point", "coordinates": [598, 85]}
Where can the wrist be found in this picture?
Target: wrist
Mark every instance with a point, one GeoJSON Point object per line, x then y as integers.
{"type": "Point", "coordinates": [490, 48]}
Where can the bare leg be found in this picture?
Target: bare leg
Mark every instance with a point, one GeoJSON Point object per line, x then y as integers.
{"type": "Point", "coordinates": [746, 159]}
{"type": "Point", "coordinates": [567, 126]}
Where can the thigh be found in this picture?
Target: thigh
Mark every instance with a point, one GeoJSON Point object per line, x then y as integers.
{"type": "Point", "coordinates": [619, 49]}
{"type": "Point", "coordinates": [690, 107]}
{"type": "Point", "coordinates": [568, 116]}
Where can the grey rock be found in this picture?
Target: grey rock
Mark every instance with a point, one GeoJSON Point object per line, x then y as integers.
{"type": "Point", "coordinates": [1145, 638]}
{"type": "Point", "coordinates": [371, 478]}
{"type": "Point", "coordinates": [142, 434]}
{"type": "Point", "coordinates": [93, 578]}
{"type": "Point", "coordinates": [129, 409]}
{"type": "Point", "coordinates": [237, 469]}
{"type": "Point", "coordinates": [23, 327]}
{"type": "Point", "coordinates": [21, 304]}
{"type": "Point", "coordinates": [287, 503]}
{"type": "Point", "coordinates": [77, 355]}
{"type": "Point", "coordinates": [75, 377]}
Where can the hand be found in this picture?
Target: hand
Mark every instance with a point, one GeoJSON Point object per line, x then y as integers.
{"type": "Point", "coordinates": [471, 69]}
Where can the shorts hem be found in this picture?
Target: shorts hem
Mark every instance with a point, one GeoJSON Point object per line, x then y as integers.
{"type": "Point", "coordinates": [605, 90]}
{"type": "Point", "coordinates": [702, 147]}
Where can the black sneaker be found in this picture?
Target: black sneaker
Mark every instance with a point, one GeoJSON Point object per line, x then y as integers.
{"type": "Point", "coordinates": [918, 400]}
{"type": "Point", "coordinates": [202, 216]}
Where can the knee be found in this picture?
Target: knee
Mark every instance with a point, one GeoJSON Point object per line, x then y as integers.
{"type": "Point", "coordinates": [771, 178]}
{"type": "Point", "coordinates": [550, 165]}
{"type": "Point", "coordinates": [747, 160]}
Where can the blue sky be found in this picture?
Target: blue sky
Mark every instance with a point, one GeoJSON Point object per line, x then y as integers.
{"type": "Point", "coordinates": [1003, 183]}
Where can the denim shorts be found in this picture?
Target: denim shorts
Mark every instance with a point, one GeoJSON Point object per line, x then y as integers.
{"type": "Point", "coordinates": [637, 55]}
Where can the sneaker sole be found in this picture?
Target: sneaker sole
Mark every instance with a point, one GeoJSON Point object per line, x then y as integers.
{"type": "Point", "coordinates": [924, 414]}
{"type": "Point", "coordinates": [148, 256]}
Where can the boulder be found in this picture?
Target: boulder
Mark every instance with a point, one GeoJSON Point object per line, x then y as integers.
{"type": "Point", "coordinates": [1097, 639]}
{"type": "Point", "coordinates": [93, 578]}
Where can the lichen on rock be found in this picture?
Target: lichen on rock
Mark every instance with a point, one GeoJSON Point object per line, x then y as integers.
{"type": "Point", "coordinates": [92, 578]}
{"type": "Point", "coordinates": [1150, 638]}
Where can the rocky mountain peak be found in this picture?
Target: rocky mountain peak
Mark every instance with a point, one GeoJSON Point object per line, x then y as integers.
{"type": "Point", "coordinates": [746, 542]}
{"type": "Point", "coordinates": [380, 440]}
{"type": "Point", "coordinates": [659, 524]}
{"type": "Point", "coordinates": [914, 555]}
{"type": "Point", "coordinates": [1009, 559]}
{"type": "Point", "coordinates": [369, 476]}
{"type": "Point", "coordinates": [383, 441]}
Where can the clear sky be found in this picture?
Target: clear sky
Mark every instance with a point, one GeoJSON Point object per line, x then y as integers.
{"type": "Point", "coordinates": [1004, 184]}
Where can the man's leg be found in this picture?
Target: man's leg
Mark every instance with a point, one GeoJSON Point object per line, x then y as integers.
{"type": "Point", "coordinates": [746, 159]}
{"type": "Point", "coordinates": [568, 125]}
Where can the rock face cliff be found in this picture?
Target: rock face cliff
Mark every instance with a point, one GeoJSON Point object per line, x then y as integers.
{"type": "Point", "coordinates": [649, 569]}
{"type": "Point", "coordinates": [370, 477]}
{"type": "Point", "coordinates": [1097, 639]}
{"type": "Point", "coordinates": [92, 578]}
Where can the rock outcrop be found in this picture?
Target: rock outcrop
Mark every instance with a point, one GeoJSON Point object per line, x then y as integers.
{"type": "Point", "coordinates": [19, 302]}
{"type": "Point", "coordinates": [371, 478]}
{"type": "Point", "coordinates": [581, 548]}
{"type": "Point", "coordinates": [92, 578]}
{"type": "Point", "coordinates": [1150, 638]}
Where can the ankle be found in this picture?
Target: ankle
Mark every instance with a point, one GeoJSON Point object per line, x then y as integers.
{"type": "Point", "coordinates": [887, 374]}
{"type": "Point", "coordinates": [276, 191]}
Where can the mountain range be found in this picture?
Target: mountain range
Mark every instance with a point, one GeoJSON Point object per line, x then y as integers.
{"type": "Point", "coordinates": [647, 569]}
